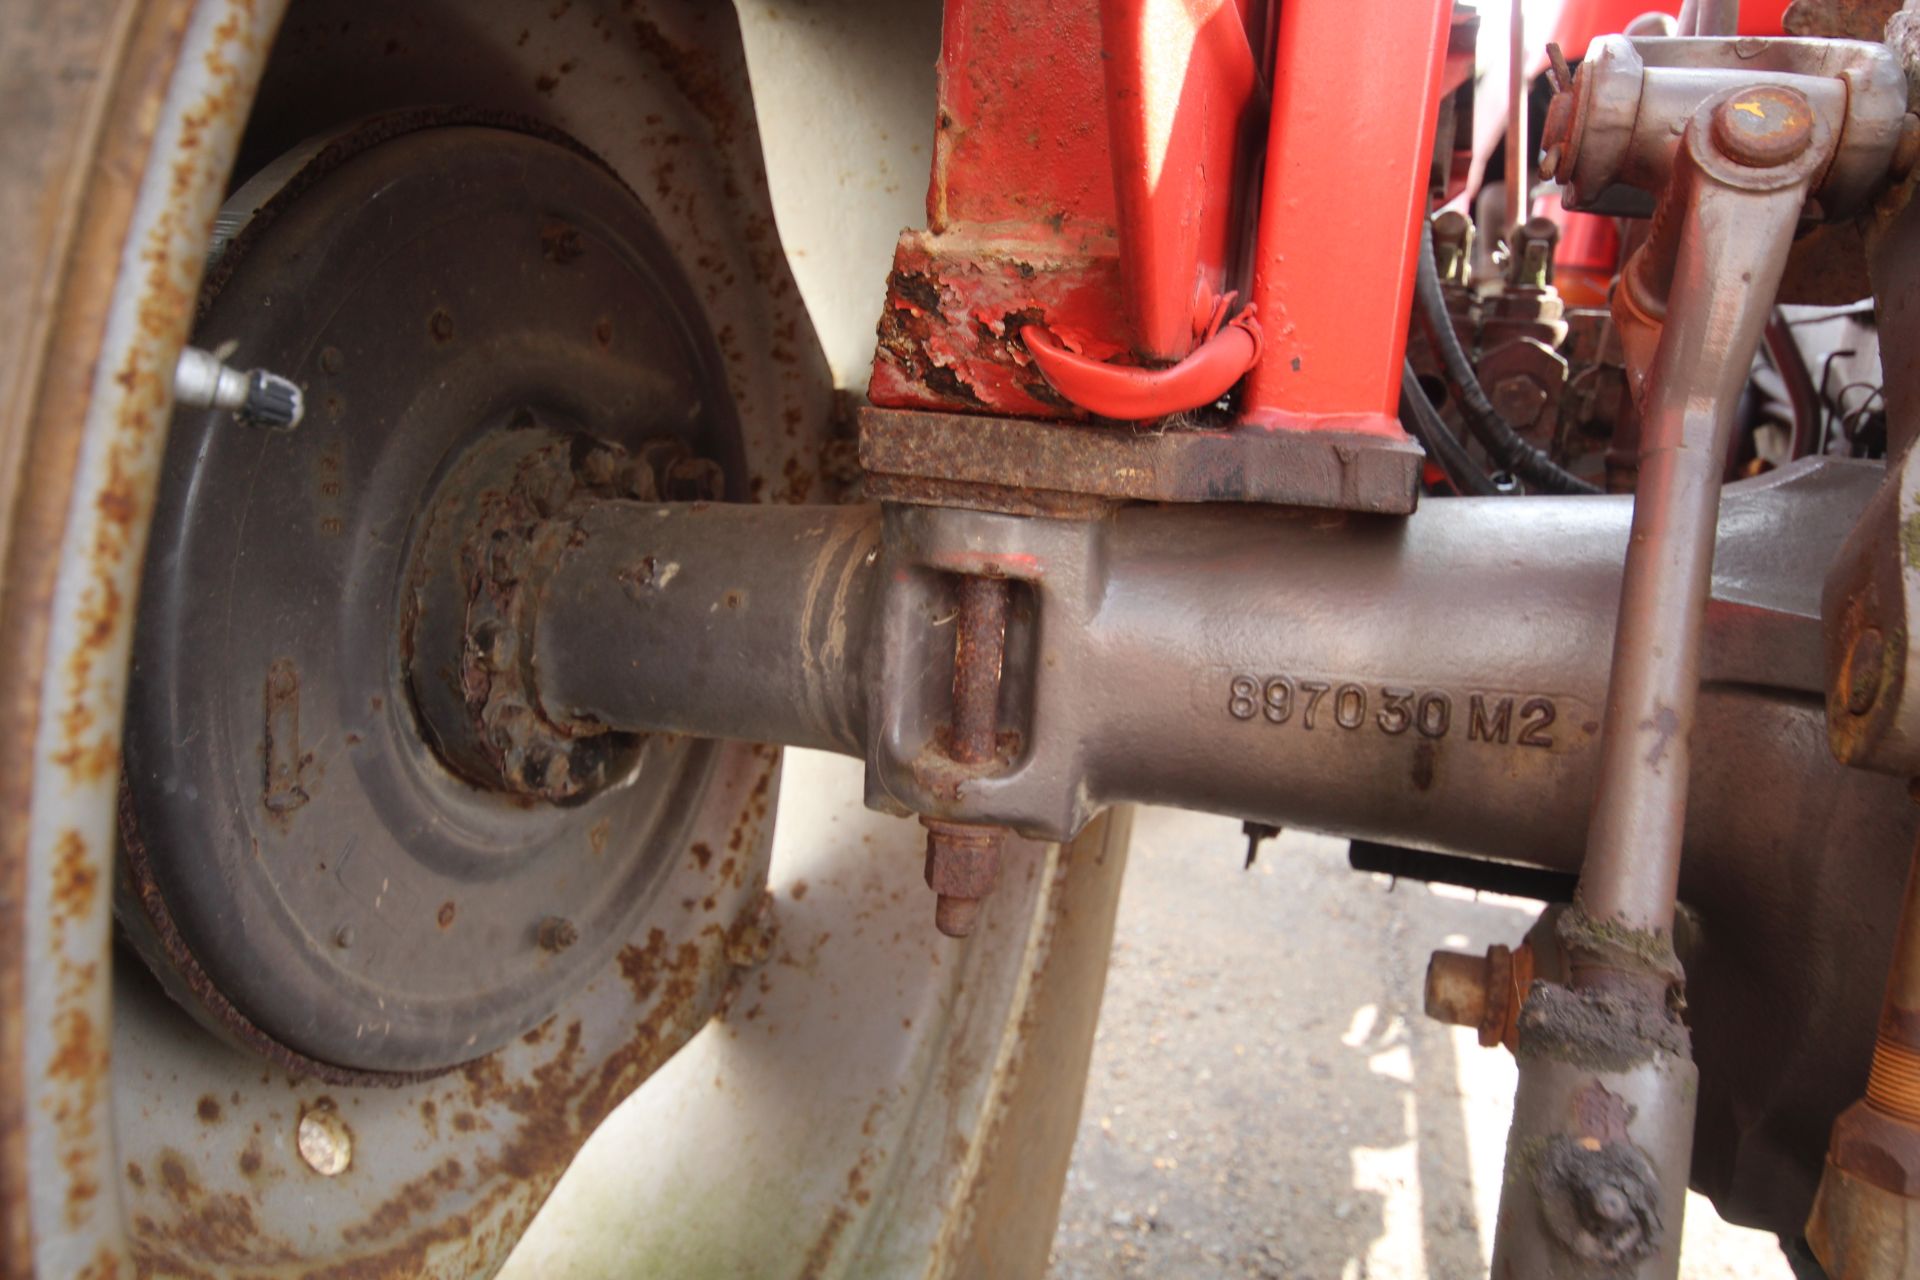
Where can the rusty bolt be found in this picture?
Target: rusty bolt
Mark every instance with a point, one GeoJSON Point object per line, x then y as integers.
{"type": "Point", "coordinates": [1764, 127]}
{"type": "Point", "coordinates": [1866, 665]}
{"type": "Point", "coordinates": [557, 934]}
{"type": "Point", "coordinates": [1599, 1199]}
{"type": "Point", "coordinates": [1483, 992]}
{"type": "Point", "coordinates": [963, 862]}
{"type": "Point", "coordinates": [599, 467]}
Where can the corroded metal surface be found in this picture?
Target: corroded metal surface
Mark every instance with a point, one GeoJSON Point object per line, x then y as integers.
{"type": "Point", "coordinates": [444, 1173]}
{"type": "Point", "coordinates": [1872, 607]}
{"type": "Point", "coordinates": [214, 1193]}
{"type": "Point", "coordinates": [1022, 466]}
{"type": "Point", "coordinates": [963, 859]}
{"type": "Point", "coordinates": [917, 1123]}
{"type": "Point", "coordinates": [98, 427]}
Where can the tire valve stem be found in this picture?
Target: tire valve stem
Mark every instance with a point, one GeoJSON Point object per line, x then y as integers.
{"type": "Point", "coordinates": [963, 858]}
{"type": "Point", "coordinates": [203, 380]}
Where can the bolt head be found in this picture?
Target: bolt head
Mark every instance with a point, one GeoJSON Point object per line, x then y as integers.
{"type": "Point", "coordinates": [557, 934]}
{"type": "Point", "coordinates": [1519, 399]}
{"type": "Point", "coordinates": [1609, 1204]}
{"type": "Point", "coordinates": [324, 1141]}
{"type": "Point", "coordinates": [1763, 127]}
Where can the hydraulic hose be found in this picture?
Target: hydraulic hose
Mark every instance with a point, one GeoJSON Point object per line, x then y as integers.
{"type": "Point", "coordinates": [1424, 422]}
{"type": "Point", "coordinates": [1508, 451]}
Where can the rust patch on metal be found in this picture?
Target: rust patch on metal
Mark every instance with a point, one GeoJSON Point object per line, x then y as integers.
{"type": "Point", "coordinates": [949, 334]}
{"type": "Point", "coordinates": [75, 880]}
{"type": "Point", "coordinates": [822, 1251]}
{"type": "Point", "coordinates": [282, 758]}
{"type": "Point", "coordinates": [418, 1196]}
{"type": "Point", "coordinates": [206, 1228]}
{"type": "Point", "coordinates": [1031, 467]}
{"type": "Point", "coordinates": [706, 86]}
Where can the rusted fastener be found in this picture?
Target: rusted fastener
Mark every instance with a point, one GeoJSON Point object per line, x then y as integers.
{"type": "Point", "coordinates": [1483, 992]}
{"type": "Point", "coordinates": [557, 933]}
{"type": "Point", "coordinates": [963, 859]}
{"type": "Point", "coordinates": [963, 864]}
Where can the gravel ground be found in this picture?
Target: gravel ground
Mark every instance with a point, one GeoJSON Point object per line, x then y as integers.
{"type": "Point", "coordinates": [1267, 1098]}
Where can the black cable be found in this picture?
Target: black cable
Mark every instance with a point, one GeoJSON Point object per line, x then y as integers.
{"type": "Point", "coordinates": [1424, 422]}
{"type": "Point", "coordinates": [1508, 451]}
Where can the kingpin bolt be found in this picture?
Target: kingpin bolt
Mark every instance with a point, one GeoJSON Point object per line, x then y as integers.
{"type": "Point", "coordinates": [1866, 665]}
{"type": "Point", "coordinates": [1763, 127]}
{"type": "Point", "coordinates": [963, 858]}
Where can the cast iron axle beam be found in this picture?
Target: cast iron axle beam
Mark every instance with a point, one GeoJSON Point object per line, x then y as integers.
{"type": "Point", "coordinates": [1438, 681]}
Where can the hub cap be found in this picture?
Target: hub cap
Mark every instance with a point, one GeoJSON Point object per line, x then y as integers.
{"type": "Point", "coordinates": [311, 871]}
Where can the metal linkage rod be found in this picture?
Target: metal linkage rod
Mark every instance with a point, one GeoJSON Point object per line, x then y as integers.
{"type": "Point", "coordinates": [1599, 1155]}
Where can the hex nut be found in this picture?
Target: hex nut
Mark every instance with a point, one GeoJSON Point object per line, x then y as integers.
{"type": "Point", "coordinates": [1874, 1146]}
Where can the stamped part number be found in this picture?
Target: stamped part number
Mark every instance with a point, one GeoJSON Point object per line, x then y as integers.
{"type": "Point", "coordinates": [1314, 705]}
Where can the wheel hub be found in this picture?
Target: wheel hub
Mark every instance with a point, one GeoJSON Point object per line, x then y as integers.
{"type": "Point", "coordinates": [487, 326]}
